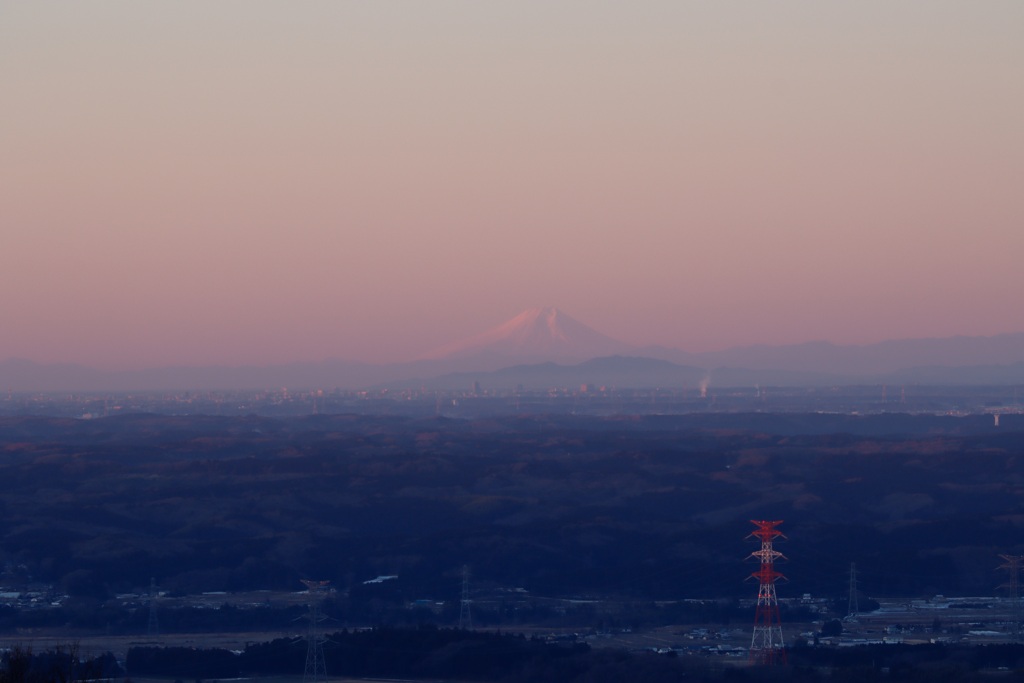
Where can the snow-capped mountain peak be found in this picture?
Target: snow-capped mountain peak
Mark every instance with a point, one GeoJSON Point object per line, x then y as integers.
{"type": "Point", "coordinates": [535, 334]}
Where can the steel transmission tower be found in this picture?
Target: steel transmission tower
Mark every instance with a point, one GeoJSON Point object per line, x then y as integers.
{"type": "Point", "coordinates": [766, 646]}
{"type": "Point", "coordinates": [153, 627]}
{"type": "Point", "coordinates": [853, 609]}
{"type": "Point", "coordinates": [1012, 564]}
{"type": "Point", "coordinates": [465, 615]}
{"type": "Point", "coordinates": [316, 667]}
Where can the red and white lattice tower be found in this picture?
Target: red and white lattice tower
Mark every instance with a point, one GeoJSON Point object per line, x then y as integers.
{"type": "Point", "coordinates": [766, 646]}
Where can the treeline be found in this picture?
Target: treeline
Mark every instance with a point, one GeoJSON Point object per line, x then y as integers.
{"type": "Point", "coordinates": [60, 665]}
{"type": "Point", "coordinates": [555, 505]}
{"type": "Point", "coordinates": [929, 662]}
{"type": "Point", "coordinates": [451, 654]}
{"type": "Point", "coordinates": [424, 652]}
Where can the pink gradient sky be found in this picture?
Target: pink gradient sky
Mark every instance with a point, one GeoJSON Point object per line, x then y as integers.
{"type": "Point", "coordinates": [246, 181]}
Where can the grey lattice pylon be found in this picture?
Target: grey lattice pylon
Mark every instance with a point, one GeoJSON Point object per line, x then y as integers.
{"type": "Point", "coordinates": [152, 626]}
{"type": "Point", "coordinates": [316, 666]}
{"type": "Point", "coordinates": [853, 608]}
{"type": "Point", "coordinates": [1012, 564]}
{"type": "Point", "coordinates": [465, 614]}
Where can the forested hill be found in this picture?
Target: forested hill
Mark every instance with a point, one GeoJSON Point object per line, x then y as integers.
{"type": "Point", "coordinates": [652, 507]}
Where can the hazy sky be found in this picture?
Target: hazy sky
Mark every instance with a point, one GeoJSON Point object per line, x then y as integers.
{"type": "Point", "coordinates": [253, 182]}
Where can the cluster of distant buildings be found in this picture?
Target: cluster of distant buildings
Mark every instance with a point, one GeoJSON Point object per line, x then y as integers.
{"type": "Point", "coordinates": [475, 400]}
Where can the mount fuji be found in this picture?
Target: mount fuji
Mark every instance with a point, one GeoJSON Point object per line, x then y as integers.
{"type": "Point", "coordinates": [535, 335]}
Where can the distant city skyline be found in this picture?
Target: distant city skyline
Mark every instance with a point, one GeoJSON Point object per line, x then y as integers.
{"type": "Point", "coordinates": [189, 183]}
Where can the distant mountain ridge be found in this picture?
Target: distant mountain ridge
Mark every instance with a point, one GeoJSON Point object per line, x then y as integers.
{"type": "Point", "coordinates": [878, 358]}
{"type": "Point", "coordinates": [546, 347]}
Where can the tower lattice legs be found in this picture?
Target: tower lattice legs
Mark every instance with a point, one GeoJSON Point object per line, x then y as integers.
{"type": "Point", "coordinates": [766, 646]}
{"type": "Point", "coordinates": [316, 666]}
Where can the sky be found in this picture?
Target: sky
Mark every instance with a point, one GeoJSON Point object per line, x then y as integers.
{"type": "Point", "coordinates": [246, 181]}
